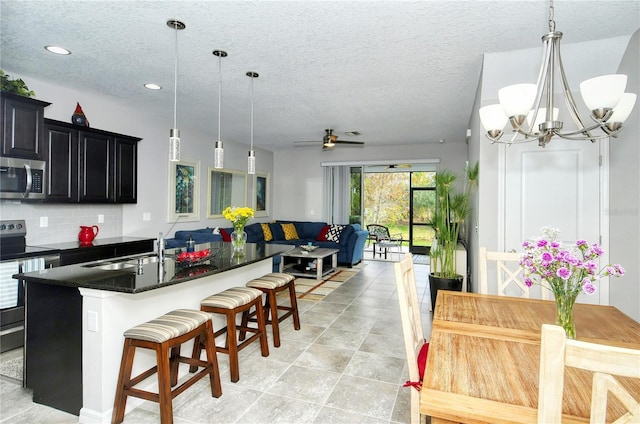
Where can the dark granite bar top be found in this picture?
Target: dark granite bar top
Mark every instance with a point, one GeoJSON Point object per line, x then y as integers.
{"type": "Point", "coordinates": [98, 242]}
{"type": "Point", "coordinates": [152, 275]}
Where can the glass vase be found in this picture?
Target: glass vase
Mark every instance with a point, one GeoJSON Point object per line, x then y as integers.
{"type": "Point", "coordinates": [239, 241]}
{"type": "Point", "coordinates": [564, 313]}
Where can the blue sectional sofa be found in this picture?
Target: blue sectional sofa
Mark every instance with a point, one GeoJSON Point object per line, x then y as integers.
{"type": "Point", "coordinates": [349, 239]}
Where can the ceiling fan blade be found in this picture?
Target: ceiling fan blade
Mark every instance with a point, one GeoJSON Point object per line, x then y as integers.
{"type": "Point", "coordinates": [348, 142]}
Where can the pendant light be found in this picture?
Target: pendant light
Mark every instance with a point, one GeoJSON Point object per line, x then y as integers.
{"type": "Point", "coordinates": [174, 133]}
{"type": "Point", "coordinates": [251, 161]}
{"type": "Point", "coordinates": [218, 151]}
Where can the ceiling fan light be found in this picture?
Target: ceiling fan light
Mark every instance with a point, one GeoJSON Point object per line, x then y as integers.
{"type": "Point", "coordinates": [624, 107]}
{"type": "Point", "coordinates": [517, 99]}
{"type": "Point", "coordinates": [603, 92]}
{"type": "Point", "coordinates": [493, 118]}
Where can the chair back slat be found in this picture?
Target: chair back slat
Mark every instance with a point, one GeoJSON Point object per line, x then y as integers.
{"type": "Point", "coordinates": [606, 362]}
{"type": "Point", "coordinates": [509, 277]}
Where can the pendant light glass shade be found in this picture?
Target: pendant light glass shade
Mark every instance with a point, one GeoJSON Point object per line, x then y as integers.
{"type": "Point", "coordinates": [174, 145]}
{"type": "Point", "coordinates": [174, 133]}
{"type": "Point", "coordinates": [218, 150]}
{"type": "Point", "coordinates": [251, 160]}
{"type": "Point", "coordinates": [218, 155]}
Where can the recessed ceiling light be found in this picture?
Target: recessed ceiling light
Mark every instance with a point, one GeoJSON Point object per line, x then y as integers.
{"type": "Point", "coordinates": [152, 86]}
{"type": "Point", "coordinates": [57, 50]}
{"type": "Point", "coordinates": [352, 133]}
{"type": "Point", "coordinates": [441, 140]}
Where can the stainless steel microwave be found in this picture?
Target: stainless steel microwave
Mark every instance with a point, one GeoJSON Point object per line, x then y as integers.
{"type": "Point", "coordinates": [22, 178]}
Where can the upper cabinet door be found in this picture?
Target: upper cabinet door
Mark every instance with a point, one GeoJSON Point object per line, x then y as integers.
{"type": "Point", "coordinates": [61, 152]}
{"type": "Point", "coordinates": [96, 167]}
{"type": "Point", "coordinates": [22, 127]}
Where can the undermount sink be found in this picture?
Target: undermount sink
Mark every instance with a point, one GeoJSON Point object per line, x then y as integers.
{"type": "Point", "coordinates": [123, 263]}
{"type": "Point", "coordinates": [115, 266]}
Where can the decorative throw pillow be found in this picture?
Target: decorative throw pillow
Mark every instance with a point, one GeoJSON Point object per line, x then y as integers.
{"type": "Point", "coordinates": [225, 235]}
{"type": "Point", "coordinates": [322, 235]}
{"type": "Point", "coordinates": [290, 232]}
{"type": "Point", "coordinates": [333, 233]}
{"type": "Point", "coordinates": [267, 232]}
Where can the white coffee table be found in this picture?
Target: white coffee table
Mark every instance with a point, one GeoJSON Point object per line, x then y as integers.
{"type": "Point", "coordinates": [326, 262]}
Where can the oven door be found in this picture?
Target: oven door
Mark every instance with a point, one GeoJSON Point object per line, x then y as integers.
{"type": "Point", "coordinates": [12, 298]}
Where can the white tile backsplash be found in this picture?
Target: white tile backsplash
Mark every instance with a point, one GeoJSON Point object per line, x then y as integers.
{"type": "Point", "coordinates": [64, 220]}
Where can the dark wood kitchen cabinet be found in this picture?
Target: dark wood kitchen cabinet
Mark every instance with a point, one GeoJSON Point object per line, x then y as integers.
{"type": "Point", "coordinates": [90, 166]}
{"type": "Point", "coordinates": [21, 119]}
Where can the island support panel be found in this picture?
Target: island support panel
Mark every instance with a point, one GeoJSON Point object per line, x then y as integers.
{"type": "Point", "coordinates": [53, 348]}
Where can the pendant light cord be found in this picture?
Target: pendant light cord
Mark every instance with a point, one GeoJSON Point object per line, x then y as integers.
{"type": "Point", "coordinates": [252, 113]}
{"type": "Point", "coordinates": [219, 93]}
{"type": "Point", "coordinates": [175, 83]}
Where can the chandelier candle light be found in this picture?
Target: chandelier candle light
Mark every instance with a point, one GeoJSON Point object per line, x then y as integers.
{"type": "Point", "coordinates": [174, 133]}
{"type": "Point", "coordinates": [567, 272]}
{"type": "Point", "coordinates": [239, 218]}
{"type": "Point", "coordinates": [251, 161]}
{"type": "Point", "coordinates": [218, 151]}
{"type": "Point", "coordinates": [604, 96]}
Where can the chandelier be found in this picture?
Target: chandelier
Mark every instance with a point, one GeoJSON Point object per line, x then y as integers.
{"type": "Point", "coordinates": [530, 107]}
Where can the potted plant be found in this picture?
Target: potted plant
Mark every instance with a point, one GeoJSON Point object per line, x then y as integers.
{"type": "Point", "coordinates": [452, 209]}
{"type": "Point", "coordinates": [14, 86]}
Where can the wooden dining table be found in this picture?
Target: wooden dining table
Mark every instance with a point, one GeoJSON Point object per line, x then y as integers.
{"type": "Point", "coordinates": [484, 358]}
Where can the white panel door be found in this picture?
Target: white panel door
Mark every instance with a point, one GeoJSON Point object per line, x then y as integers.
{"type": "Point", "coordinates": [556, 186]}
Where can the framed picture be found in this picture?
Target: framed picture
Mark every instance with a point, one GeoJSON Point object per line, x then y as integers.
{"type": "Point", "coordinates": [184, 190]}
{"type": "Point", "coordinates": [226, 188]}
{"type": "Point", "coordinates": [261, 205]}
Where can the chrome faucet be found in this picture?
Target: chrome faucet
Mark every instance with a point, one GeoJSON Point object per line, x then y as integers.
{"type": "Point", "coordinates": [160, 247]}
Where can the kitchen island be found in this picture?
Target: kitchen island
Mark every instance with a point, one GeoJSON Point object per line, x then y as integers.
{"type": "Point", "coordinates": [76, 316]}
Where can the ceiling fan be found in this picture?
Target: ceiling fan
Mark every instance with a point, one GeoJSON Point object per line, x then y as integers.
{"type": "Point", "coordinates": [329, 141]}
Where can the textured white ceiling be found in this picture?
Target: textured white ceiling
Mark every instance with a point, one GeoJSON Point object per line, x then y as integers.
{"type": "Point", "coordinates": [397, 71]}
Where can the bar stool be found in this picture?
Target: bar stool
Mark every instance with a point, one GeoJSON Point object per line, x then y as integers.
{"type": "Point", "coordinates": [271, 284]}
{"type": "Point", "coordinates": [230, 303]}
{"type": "Point", "coordinates": [165, 335]}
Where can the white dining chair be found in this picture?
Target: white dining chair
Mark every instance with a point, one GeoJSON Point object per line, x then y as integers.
{"type": "Point", "coordinates": [557, 352]}
{"type": "Point", "coordinates": [508, 271]}
{"type": "Point", "coordinates": [414, 341]}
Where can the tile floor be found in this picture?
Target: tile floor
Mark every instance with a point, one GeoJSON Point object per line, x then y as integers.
{"type": "Point", "coordinates": [345, 365]}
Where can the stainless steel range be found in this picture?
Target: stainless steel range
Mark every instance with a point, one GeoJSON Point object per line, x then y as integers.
{"type": "Point", "coordinates": [16, 257]}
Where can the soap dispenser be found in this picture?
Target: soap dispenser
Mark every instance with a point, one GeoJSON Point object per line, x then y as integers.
{"type": "Point", "coordinates": [190, 244]}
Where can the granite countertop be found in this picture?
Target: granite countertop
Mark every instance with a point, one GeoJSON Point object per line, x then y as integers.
{"type": "Point", "coordinates": [152, 275]}
{"type": "Point", "coordinates": [97, 242]}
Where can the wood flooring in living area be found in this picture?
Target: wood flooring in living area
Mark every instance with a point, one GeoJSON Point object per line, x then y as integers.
{"type": "Point", "coordinates": [346, 365]}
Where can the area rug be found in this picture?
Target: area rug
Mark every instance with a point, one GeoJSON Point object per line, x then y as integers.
{"type": "Point", "coordinates": [315, 290]}
{"type": "Point", "coordinates": [12, 368]}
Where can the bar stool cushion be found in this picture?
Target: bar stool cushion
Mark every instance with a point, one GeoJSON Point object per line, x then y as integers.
{"type": "Point", "coordinates": [271, 281]}
{"type": "Point", "coordinates": [168, 326]}
{"type": "Point", "coordinates": [231, 298]}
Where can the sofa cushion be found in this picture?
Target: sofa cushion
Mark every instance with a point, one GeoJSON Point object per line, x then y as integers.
{"type": "Point", "coordinates": [322, 235]}
{"type": "Point", "coordinates": [310, 230]}
{"type": "Point", "coordinates": [254, 233]}
{"type": "Point", "coordinates": [289, 231]}
{"type": "Point", "coordinates": [346, 234]}
{"type": "Point", "coordinates": [333, 234]}
{"type": "Point", "coordinates": [266, 230]}
{"type": "Point", "coordinates": [276, 231]}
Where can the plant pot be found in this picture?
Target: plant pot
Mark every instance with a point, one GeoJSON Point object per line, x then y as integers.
{"type": "Point", "coordinates": [440, 283]}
